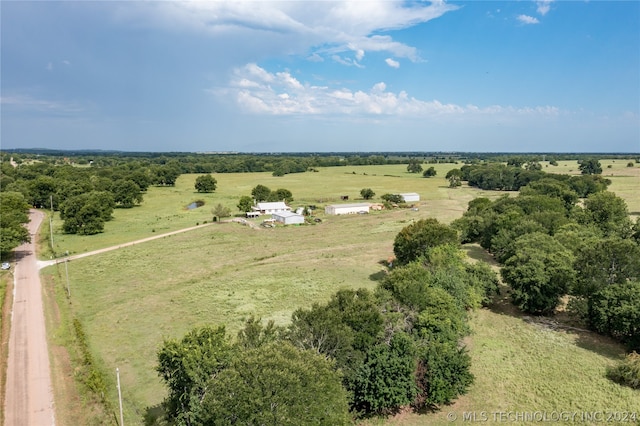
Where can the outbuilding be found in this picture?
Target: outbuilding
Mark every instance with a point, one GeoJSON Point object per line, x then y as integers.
{"type": "Point", "coordinates": [410, 197]}
{"type": "Point", "coordinates": [270, 208]}
{"type": "Point", "coordinates": [337, 209]}
{"type": "Point", "coordinates": [288, 218]}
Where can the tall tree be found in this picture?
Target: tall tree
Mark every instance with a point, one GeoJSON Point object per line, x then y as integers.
{"type": "Point", "coordinates": [539, 273]}
{"type": "Point", "coordinates": [86, 214]}
{"type": "Point", "coordinates": [605, 262]}
{"type": "Point", "coordinates": [126, 193]}
{"type": "Point", "coordinates": [13, 215]}
{"type": "Point", "coordinates": [281, 194]}
{"type": "Point", "coordinates": [608, 212]}
{"type": "Point", "coordinates": [414, 240]}
{"type": "Point", "coordinates": [590, 166]}
{"type": "Point", "coordinates": [206, 183]}
{"type": "Point", "coordinates": [275, 384]}
{"type": "Point", "coordinates": [414, 166]}
{"type": "Point", "coordinates": [367, 193]}
{"type": "Point", "coordinates": [187, 365]}
{"type": "Point", "coordinates": [430, 172]}
{"type": "Point", "coordinates": [454, 176]}
{"type": "Point", "coordinates": [261, 193]}
{"type": "Point", "coordinates": [245, 203]}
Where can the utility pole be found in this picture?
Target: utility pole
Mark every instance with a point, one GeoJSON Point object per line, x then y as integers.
{"type": "Point", "coordinates": [66, 270]}
{"type": "Point", "coordinates": [51, 223]}
{"type": "Point", "coordinates": [120, 397]}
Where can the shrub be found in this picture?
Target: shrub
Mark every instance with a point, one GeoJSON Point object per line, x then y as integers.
{"type": "Point", "coordinates": [627, 372]}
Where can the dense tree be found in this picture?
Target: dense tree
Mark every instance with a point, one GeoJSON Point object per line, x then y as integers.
{"type": "Point", "coordinates": [590, 166]}
{"type": "Point", "coordinates": [540, 272]}
{"type": "Point", "coordinates": [275, 384]}
{"type": "Point", "coordinates": [126, 193]}
{"type": "Point", "coordinates": [245, 203]}
{"type": "Point", "coordinates": [605, 262]}
{"type": "Point", "coordinates": [430, 172]}
{"type": "Point", "coordinates": [443, 373]}
{"type": "Point", "coordinates": [454, 176]}
{"type": "Point", "coordinates": [615, 311]}
{"type": "Point", "coordinates": [367, 193]}
{"type": "Point", "coordinates": [206, 183]}
{"type": "Point", "coordinates": [41, 191]}
{"type": "Point", "coordinates": [552, 188]}
{"type": "Point", "coordinates": [260, 193]}
{"type": "Point", "coordinates": [385, 380]}
{"type": "Point", "coordinates": [166, 175]}
{"type": "Point", "coordinates": [533, 165]}
{"type": "Point", "coordinates": [608, 212]}
{"type": "Point", "coordinates": [414, 240]}
{"type": "Point", "coordinates": [13, 215]}
{"type": "Point", "coordinates": [392, 198]}
{"type": "Point", "coordinates": [141, 177]}
{"type": "Point", "coordinates": [86, 214]}
{"type": "Point", "coordinates": [186, 367]}
{"type": "Point", "coordinates": [414, 166]}
{"type": "Point", "coordinates": [281, 194]}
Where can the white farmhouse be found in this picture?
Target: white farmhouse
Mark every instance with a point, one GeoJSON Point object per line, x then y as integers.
{"type": "Point", "coordinates": [270, 208]}
{"type": "Point", "coordinates": [336, 209]}
{"type": "Point", "coordinates": [288, 218]}
{"type": "Point", "coordinates": [410, 197]}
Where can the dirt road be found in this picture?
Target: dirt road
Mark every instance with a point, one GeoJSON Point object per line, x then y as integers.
{"type": "Point", "coordinates": [45, 263]}
{"type": "Point", "coordinates": [29, 397]}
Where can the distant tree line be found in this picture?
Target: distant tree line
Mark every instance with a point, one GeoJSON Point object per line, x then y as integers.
{"type": "Point", "coordinates": [362, 353]}
{"type": "Point", "coordinates": [512, 177]}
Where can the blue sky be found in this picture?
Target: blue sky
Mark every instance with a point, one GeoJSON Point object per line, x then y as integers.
{"type": "Point", "coordinates": [301, 75]}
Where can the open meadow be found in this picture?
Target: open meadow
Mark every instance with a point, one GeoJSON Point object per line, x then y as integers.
{"type": "Point", "coordinates": [129, 300]}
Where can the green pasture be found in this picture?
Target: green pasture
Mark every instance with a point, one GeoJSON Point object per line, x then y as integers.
{"type": "Point", "coordinates": [625, 181]}
{"type": "Point", "coordinates": [164, 208]}
{"type": "Point", "coordinates": [130, 299]}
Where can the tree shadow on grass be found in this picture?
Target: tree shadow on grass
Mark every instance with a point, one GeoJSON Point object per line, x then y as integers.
{"type": "Point", "coordinates": [561, 321]}
{"type": "Point", "coordinates": [154, 415]}
{"type": "Point", "coordinates": [378, 276]}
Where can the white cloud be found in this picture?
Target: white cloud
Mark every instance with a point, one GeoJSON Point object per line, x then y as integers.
{"type": "Point", "coordinates": [526, 19]}
{"type": "Point", "coordinates": [49, 66]}
{"type": "Point", "coordinates": [392, 63]}
{"type": "Point", "coordinates": [544, 6]}
{"type": "Point", "coordinates": [258, 91]}
{"type": "Point", "coordinates": [325, 28]}
{"type": "Point", "coordinates": [30, 103]}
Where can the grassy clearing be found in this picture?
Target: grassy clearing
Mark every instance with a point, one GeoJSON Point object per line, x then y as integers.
{"type": "Point", "coordinates": [129, 300]}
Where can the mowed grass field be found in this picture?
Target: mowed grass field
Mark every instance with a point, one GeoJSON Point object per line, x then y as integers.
{"type": "Point", "coordinates": [129, 300]}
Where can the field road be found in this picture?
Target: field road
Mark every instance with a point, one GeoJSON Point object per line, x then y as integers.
{"type": "Point", "coordinates": [29, 397]}
{"type": "Point", "coordinates": [45, 263]}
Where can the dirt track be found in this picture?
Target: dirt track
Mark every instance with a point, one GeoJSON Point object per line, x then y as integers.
{"type": "Point", "coordinates": [29, 397]}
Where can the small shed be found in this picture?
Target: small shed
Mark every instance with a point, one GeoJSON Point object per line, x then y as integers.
{"type": "Point", "coordinates": [252, 214]}
{"type": "Point", "coordinates": [337, 209]}
{"type": "Point", "coordinates": [410, 197]}
{"type": "Point", "coordinates": [288, 218]}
